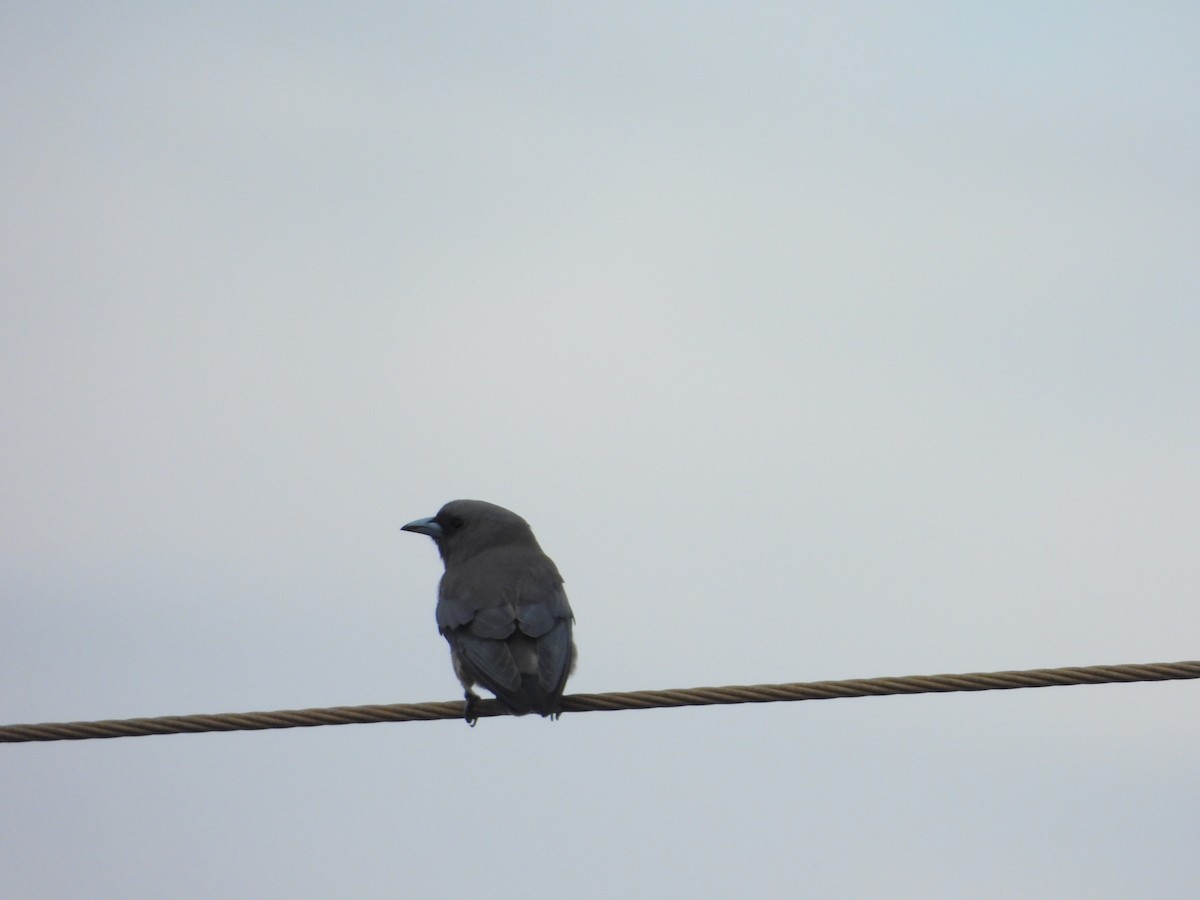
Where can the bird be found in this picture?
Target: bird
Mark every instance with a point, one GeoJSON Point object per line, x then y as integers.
{"type": "Point", "coordinates": [501, 607]}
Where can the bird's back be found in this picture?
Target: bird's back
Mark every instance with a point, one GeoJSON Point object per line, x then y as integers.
{"type": "Point", "coordinates": [506, 617]}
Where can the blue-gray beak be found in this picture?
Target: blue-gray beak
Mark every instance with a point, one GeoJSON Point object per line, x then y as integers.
{"type": "Point", "coordinates": [424, 526]}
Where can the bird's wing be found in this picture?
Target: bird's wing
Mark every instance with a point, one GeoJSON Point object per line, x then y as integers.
{"type": "Point", "coordinates": [491, 663]}
{"type": "Point", "coordinates": [542, 605]}
{"type": "Point", "coordinates": [496, 623]}
{"type": "Point", "coordinates": [555, 652]}
{"type": "Point", "coordinates": [546, 616]}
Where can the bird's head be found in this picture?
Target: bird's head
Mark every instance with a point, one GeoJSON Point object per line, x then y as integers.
{"type": "Point", "coordinates": [463, 528]}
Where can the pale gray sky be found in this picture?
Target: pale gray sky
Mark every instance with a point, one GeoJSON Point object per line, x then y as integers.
{"type": "Point", "coordinates": [814, 341]}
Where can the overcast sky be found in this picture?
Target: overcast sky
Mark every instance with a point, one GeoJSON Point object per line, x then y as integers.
{"type": "Point", "coordinates": [814, 341]}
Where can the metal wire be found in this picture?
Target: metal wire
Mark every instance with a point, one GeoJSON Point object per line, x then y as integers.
{"type": "Point", "coordinates": [704, 696]}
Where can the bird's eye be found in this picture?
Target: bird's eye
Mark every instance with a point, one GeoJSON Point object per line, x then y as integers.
{"type": "Point", "coordinates": [456, 523]}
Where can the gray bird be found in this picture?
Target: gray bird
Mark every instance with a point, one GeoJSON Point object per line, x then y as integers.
{"type": "Point", "coordinates": [501, 607]}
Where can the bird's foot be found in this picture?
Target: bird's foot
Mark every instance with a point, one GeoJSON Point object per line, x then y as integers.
{"type": "Point", "coordinates": [469, 710]}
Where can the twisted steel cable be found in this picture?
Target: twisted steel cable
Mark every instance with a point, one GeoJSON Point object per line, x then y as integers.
{"type": "Point", "coordinates": [703, 696]}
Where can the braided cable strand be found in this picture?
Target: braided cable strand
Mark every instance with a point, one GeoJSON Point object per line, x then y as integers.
{"type": "Point", "coordinates": [704, 696]}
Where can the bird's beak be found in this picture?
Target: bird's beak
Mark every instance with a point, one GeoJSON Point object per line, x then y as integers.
{"type": "Point", "coordinates": [424, 526]}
